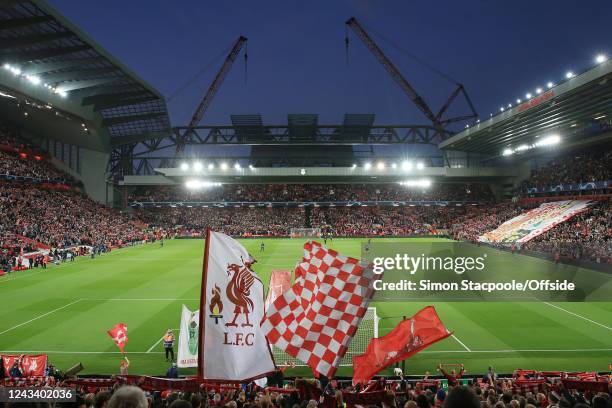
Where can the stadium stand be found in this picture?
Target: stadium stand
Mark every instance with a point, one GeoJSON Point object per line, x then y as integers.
{"type": "Point", "coordinates": [468, 192]}
{"type": "Point", "coordinates": [21, 160]}
{"type": "Point", "coordinates": [580, 167]}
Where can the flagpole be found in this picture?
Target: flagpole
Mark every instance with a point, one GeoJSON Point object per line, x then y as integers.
{"type": "Point", "coordinates": [201, 332]}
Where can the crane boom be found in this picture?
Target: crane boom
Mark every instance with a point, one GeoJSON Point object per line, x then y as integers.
{"type": "Point", "coordinates": [210, 93]}
{"type": "Point", "coordinates": [420, 103]}
{"type": "Point", "coordinates": [436, 119]}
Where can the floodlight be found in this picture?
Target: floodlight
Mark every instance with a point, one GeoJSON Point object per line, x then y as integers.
{"type": "Point", "coordinates": [197, 166]}
{"type": "Point", "coordinates": [601, 58]}
{"type": "Point", "coordinates": [184, 166]}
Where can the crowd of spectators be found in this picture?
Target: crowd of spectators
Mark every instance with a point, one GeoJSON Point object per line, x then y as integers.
{"type": "Point", "coordinates": [585, 236]}
{"type": "Point", "coordinates": [314, 192]}
{"type": "Point", "coordinates": [570, 168]}
{"type": "Point", "coordinates": [60, 218]}
{"type": "Point", "coordinates": [383, 221]}
{"type": "Point", "coordinates": [237, 221]}
{"type": "Point", "coordinates": [388, 393]}
{"type": "Point", "coordinates": [19, 158]}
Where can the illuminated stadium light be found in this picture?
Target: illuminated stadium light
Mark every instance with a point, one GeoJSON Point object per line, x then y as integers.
{"type": "Point", "coordinates": [406, 165]}
{"type": "Point", "coordinates": [184, 166]}
{"type": "Point", "coordinates": [518, 101]}
{"type": "Point", "coordinates": [33, 79]}
{"type": "Point", "coordinates": [223, 166]}
{"type": "Point", "coordinates": [393, 165]}
{"type": "Point", "coordinates": [251, 167]}
{"type": "Point", "coordinates": [424, 183]}
{"type": "Point", "coordinates": [211, 166]}
{"type": "Point", "coordinates": [539, 91]}
{"type": "Point", "coordinates": [548, 141]}
{"type": "Point", "coordinates": [508, 152]}
{"type": "Point", "coordinates": [354, 166]}
{"type": "Point", "coordinates": [601, 58]}
{"type": "Point", "coordinates": [367, 166]}
{"type": "Point", "coordinates": [63, 94]}
{"type": "Point", "coordinates": [569, 74]}
{"type": "Point", "coordinates": [501, 109]}
{"type": "Point", "coordinates": [420, 166]}
{"type": "Point", "coordinates": [522, 148]}
{"type": "Point", "coordinates": [237, 166]}
{"type": "Point", "coordinates": [528, 95]}
{"type": "Point", "coordinates": [550, 85]}
{"type": "Point", "coordinates": [380, 165]}
{"type": "Point", "coordinates": [509, 105]}
{"type": "Point", "coordinates": [7, 66]}
{"type": "Point", "coordinates": [197, 166]}
{"type": "Point", "coordinates": [197, 184]}
{"type": "Point", "coordinates": [599, 117]}
{"type": "Point", "coordinates": [303, 172]}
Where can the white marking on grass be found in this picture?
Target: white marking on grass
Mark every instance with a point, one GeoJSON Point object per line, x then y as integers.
{"type": "Point", "coordinates": [41, 316]}
{"type": "Point", "coordinates": [577, 315]}
{"type": "Point", "coordinates": [460, 342]}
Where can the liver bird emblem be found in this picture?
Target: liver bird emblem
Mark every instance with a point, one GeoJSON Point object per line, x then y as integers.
{"type": "Point", "coordinates": [238, 291]}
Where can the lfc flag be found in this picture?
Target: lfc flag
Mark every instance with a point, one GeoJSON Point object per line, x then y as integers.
{"type": "Point", "coordinates": [119, 335]}
{"type": "Point", "coordinates": [408, 338]}
{"type": "Point", "coordinates": [232, 344]}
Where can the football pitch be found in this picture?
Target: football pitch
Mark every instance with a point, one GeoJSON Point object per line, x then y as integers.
{"type": "Point", "coordinates": [65, 312]}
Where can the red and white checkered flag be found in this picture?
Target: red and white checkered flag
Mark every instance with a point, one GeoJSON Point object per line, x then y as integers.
{"type": "Point", "coordinates": [316, 319]}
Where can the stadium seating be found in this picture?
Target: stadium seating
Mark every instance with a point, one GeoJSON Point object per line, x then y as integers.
{"type": "Point", "coordinates": [20, 160]}
{"type": "Point", "coordinates": [572, 168]}
{"type": "Point", "coordinates": [314, 193]}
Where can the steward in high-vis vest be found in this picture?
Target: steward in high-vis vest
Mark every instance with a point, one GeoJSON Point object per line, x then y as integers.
{"type": "Point", "coordinates": [169, 344]}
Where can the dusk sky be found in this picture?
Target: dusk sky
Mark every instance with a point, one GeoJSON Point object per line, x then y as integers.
{"type": "Point", "coordinates": [297, 63]}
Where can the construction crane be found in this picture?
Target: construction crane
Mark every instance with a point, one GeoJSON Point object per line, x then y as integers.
{"type": "Point", "coordinates": [210, 93]}
{"type": "Point", "coordinates": [435, 118]}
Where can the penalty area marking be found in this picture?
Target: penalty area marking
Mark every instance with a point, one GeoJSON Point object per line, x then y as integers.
{"type": "Point", "coordinates": [577, 315]}
{"type": "Point", "coordinates": [460, 342]}
{"type": "Point", "coordinates": [41, 316]}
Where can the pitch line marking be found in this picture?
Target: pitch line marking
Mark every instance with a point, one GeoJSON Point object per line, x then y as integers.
{"type": "Point", "coordinates": [577, 315]}
{"type": "Point", "coordinates": [41, 316]}
{"type": "Point", "coordinates": [460, 342]}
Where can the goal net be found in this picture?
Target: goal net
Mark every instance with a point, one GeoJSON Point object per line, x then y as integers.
{"type": "Point", "coordinates": [305, 232]}
{"type": "Point", "coordinates": [368, 329]}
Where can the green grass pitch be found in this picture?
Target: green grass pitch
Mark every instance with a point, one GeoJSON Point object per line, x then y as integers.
{"type": "Point", "coordinates": [65, 312]}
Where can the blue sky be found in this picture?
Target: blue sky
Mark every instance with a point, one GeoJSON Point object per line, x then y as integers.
{"type": "Point", "coordinates": [297, 63]}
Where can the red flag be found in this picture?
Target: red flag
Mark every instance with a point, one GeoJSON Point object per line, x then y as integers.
{"type": "Point", "coordinates": [408, 338]}
{"type": "Point", "coordinates": [316, 319]}
{"type": "Point", "coordinates": [119, 335]}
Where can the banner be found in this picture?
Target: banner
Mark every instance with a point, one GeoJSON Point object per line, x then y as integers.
{"type": "Point", "coordinates": [532, 223]}
{"type": "Point", "coordinates": [316, 319]}
{"type": "Point", "coordinates": [409, 337]}
{"type": "Point", "coordinates": [280, 281]}
{"type": "Point", "coordinates": [119, 335]}
{"type": "Point", "coordinates": [232, 344]}
{"type": "Point", "coordinates": [188, 338]}
{"type": "Point", "coordinates": [29, 365]}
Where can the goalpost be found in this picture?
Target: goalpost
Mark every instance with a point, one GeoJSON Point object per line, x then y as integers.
{"type": "Point", "coordinates": [305, 232]}
{"type": "Point", "coordinates": [368, 329]}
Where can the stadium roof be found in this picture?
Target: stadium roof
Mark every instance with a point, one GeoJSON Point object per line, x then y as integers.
{"type": "Point", "coordinates": [566, 109]}
{"type": "Point", "coordinates": [42, 44]}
